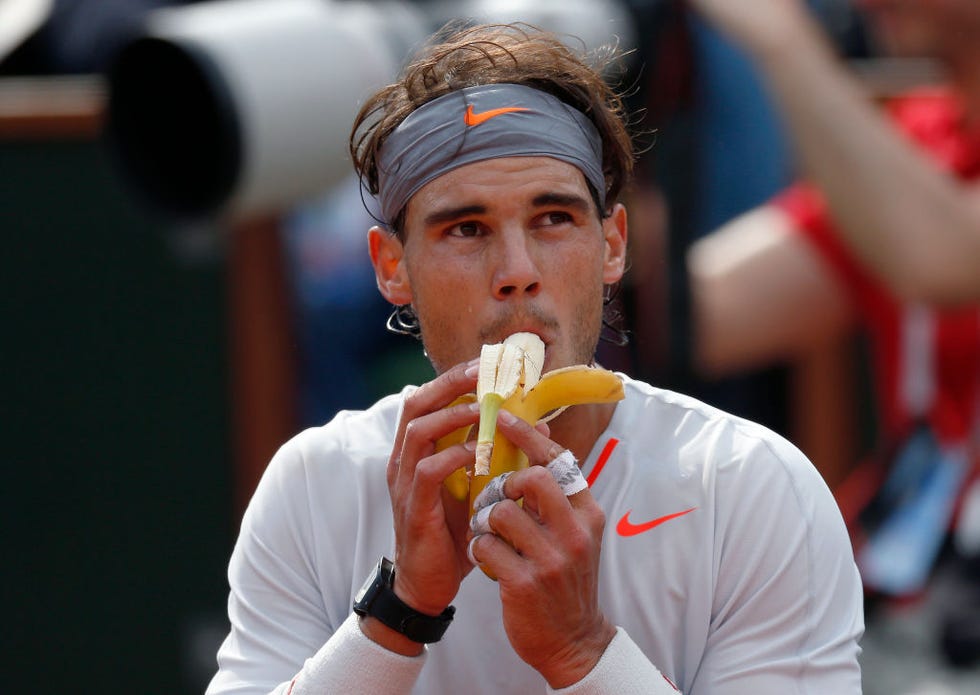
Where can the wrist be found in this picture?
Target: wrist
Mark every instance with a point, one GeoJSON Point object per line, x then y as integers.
{"type": "Point", "coordinates": [579, 661]}
{"type": "Point", "coordinates": [380, 607]}
{"type": "Point", "coordinates": [409, 598]}
{"type": "Point", "coordinates": [390, 639]}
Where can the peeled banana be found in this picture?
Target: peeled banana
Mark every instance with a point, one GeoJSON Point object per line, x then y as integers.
{"type": "Point", "coordinates": [510, 378]}
{"type": "Point", "coordinates": [504, 369]}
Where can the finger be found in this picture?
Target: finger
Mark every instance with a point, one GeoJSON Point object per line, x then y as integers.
{"type": "Point", "coordinates": [437, 394]}
{"type": "Point", "coordinates": [548, 531]}
{"type": "Point", "coordinates": [539, 449]}
{"type": "Point", "coordinates": [494, 553]}
{"type": "Point", "coordinates": [423, 433]}
{"type": "Point", "coordinates": [480, 522]}
{"type": "Point", "coordinates": [564, 469]}
{"type": "Point", "coordinates": [544, 501]}
{"type": "Point", "coordinates": [419, 445]}
{"type": "Point", "coordinates": [566, 472]}
{"type": "Point", "coordinates": [443, 390]}
{"type": "Point", "coordinates": [492, 493]}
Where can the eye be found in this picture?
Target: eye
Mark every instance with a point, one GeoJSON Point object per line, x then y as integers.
{"type": "Point", "coordinates": [555, 217]}
{"type": "Point", "coordinates": [465, 229]}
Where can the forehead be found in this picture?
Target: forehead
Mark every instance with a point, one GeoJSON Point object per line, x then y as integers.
{"type": "Point", "coordinates": [504, 180]}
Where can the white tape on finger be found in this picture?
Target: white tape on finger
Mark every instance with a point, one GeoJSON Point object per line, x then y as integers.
{"type": "Point", "coordinates": [564, 469]}
{"type": "Point", "coordinates": [493, 492]}
{"type": "Point", "coordinates": [480, 522]}
{"type": "Point", "coordinates": [469, 552]}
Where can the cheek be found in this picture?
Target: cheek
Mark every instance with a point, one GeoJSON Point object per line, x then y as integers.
{"type": "Point", "coordinates": [444, 299]}
{"type": "Point", "coordinates": [582, 290]}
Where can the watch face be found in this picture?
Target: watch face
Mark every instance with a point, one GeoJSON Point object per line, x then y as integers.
{"type": "Point", "coordinates": [365, 588]}
{"type": "Point", "coordinates": [375, 582]}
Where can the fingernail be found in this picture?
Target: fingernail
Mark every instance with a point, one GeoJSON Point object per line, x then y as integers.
{"type": "Point", "coordinates": [470, 445]}
{"type": "Point", "coordinates": [473, 368]}
{"type": "Point", "coordinates": [507, 417]}
{"type": "Point", "coordinates": [469, 551]}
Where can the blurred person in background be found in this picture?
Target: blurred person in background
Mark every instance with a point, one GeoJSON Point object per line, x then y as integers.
{"type": "Point", "coordinates": [884, 234]}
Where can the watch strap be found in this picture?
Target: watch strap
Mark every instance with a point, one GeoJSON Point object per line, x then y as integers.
{"type": "Point", "coordinates": [381, 602]}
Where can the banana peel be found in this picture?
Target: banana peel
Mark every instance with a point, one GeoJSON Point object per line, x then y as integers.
{"type": "Point", "coordinates": [458, 482]}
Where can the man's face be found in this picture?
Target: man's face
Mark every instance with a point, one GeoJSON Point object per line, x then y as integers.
{"type": "Point", "coordinates": [922, 28]}
{"type": "Point", "coordinates": [500, 246]}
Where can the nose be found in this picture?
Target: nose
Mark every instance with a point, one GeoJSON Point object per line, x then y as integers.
{"type": "Point", "coordinates": [517, 272]}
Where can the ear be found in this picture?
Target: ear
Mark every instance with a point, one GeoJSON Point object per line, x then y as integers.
{"type": "Point", "coordinates": [614, 229]}
{"type": "Point", "coordinates": [387, 253]}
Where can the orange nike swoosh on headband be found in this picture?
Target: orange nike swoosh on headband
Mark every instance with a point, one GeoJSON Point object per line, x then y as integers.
{"type": "Point", "coordinates": [627, 528]}
{"type": "Point", "coordinates": [472, 118]}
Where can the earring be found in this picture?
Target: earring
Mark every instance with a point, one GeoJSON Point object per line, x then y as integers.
{"type": "Point", "coordinates": [612, 319]}
{"type": "Point", "coordinates": [403, 321]}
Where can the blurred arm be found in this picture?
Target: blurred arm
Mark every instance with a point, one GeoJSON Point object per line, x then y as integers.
{"type": "Point", "coordinates": [913, 225]}
{"type": "Point", "coordinates": [759, 293]}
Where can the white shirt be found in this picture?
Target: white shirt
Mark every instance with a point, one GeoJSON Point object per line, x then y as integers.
{"type": "Point", "coordinates": [746, 585]}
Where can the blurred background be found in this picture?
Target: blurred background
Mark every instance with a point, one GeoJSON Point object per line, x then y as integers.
{"type": "Point", "coordinates": [186, 286]}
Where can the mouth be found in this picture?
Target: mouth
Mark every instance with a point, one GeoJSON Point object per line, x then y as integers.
{"type": "Point", "coordinates": [529, 319]}
{"type": "Point", "coordinates": [498, 336]}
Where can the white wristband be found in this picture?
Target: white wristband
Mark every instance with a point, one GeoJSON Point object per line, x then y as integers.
{"type": "Point", "coordinates": [622, 670]}
{"type": "Point", "coordinates": [351, 662]}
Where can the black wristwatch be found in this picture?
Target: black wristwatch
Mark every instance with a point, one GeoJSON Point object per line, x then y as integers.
{"type": "Point", "coordinates": [377, 599]}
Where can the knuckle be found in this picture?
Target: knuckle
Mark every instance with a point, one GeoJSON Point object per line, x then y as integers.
{"type": "Point", "coordinates": [505, 511]}
{"type": "Point", "coordinates": [412, 403]}
{"type": "Point", "coordinates": [427, 473]}
{"type": "Point", "coordinates": [411, 429]}
{"type": "Point", "coordinates": [526, 583]}
{"type": "Point", "coordinates": [536, 475]}
{"type": "Point", "coordinates": [578, 543]}
{"type": "Point", "coordinates": [596, 519]}
{"type": "Point", "coordinates": [551, 568]}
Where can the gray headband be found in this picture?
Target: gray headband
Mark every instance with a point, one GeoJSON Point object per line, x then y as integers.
{"type": "Point", "coordinates": [484, 122]}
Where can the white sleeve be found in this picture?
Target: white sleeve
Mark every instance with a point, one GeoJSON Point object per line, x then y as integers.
{"type": "Point", "coordinates": [622, 670]}
{"type": "Point", "coordinates": [350, 662]}
{"type": "Point", "coordinates": [277, 615]}
{"type": "Point", "coordinates": [284, 636]}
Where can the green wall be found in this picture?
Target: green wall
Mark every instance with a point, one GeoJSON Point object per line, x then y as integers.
{"type": "Point", "coordinates": [115, 494]}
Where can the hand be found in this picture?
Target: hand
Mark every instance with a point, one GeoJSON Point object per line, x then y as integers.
{"type": "Point", "coordinates": [430, 526]}
{"type": "Point", "coordinates": [759, 26]}
{"type": "Point", "coordinates": [545, 555]}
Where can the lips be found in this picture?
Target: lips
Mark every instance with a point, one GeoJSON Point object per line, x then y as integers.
{"type": "Point", "coordinates": [499, 335]}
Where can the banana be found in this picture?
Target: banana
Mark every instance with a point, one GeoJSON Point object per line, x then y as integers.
{"type": "Point", "coordinates": [504, 368]}
{"type": "Point", "coordinates": [512, 382]}
{"type": "Point", "coordinates": [458, 482]}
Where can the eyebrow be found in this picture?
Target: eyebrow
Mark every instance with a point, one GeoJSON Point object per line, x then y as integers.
{"type": "Point", "coordinates": [568, 200]}
{"type": "Point", "coordinates": [450, 214]}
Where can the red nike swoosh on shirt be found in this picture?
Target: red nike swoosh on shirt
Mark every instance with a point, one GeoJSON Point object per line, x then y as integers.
{"type": "Point", "coordinates": [626, 528]}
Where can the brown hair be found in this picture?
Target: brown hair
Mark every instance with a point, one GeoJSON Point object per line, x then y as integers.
{"type": "Point", "coordinates": [457, 58]}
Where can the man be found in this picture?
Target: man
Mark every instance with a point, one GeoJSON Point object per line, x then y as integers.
{"type": "Point", "coordinates": [886, 235]}
{"type": "Point", "coordinates": [497, 159]}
